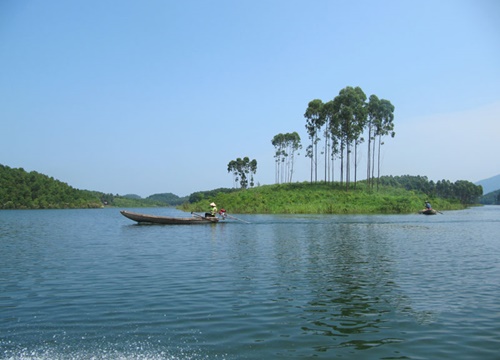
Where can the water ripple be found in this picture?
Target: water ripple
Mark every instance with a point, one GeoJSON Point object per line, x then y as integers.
{"type": "Point", "coordinates": [282, 287]}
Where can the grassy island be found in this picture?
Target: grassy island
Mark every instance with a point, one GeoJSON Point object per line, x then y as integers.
{"type": "Point", "coordinates": [323, 198]}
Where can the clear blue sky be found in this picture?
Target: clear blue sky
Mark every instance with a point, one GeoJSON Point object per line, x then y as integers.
{"type": "Point", "coordinates": [158, 96]}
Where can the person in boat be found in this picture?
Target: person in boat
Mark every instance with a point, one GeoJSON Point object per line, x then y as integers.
{"type": "Point", "coordinates": [428, 205]}
{"type": "Point", "coordinates": [213, 210]}
{"type": "Point", "coordinates": [223, 214]}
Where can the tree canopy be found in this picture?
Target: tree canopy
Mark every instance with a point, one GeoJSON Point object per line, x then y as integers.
{"type": "Point", "coordinates": [243, 171]}
{"type": "Point", "coordinates": [286, 145]}
{"type": "Point", "coordinates": [314, 122]}
{"type": "Point", "coordinates": [344, 120]}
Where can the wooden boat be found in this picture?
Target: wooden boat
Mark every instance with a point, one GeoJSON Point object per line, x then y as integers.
{"type": "Point", "coordinates": [168, 220]}
{"type": "Point", "coordinates": [428, 212]}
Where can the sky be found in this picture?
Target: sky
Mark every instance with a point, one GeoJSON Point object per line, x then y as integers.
{"type": "Point", "coordinates": [157, 96]}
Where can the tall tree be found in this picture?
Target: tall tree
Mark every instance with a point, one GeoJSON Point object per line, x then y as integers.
{"type": "Point", "coordinates": [286, 145]}
{"type": "Point", "coordinates": [314, 123]}
{"type": "Point", "coordinates": [332, 138]}
{"type": "Point", "coordinates": [292, 142]}
{"type": "Point", "coordinates": [327, 115]}
{"type": "Point", "coordinates": [373, 109]}
{"type": "Point", "coordinates": [384, 126]}
{"type": "Point", "coordinates": [349, 110]}
{"type": "Point", "coordinates": [278, 142]}
{"type": "Point", "coordinates": [244, 170]}
{"type": "Point", "coordinates": [360, 118]}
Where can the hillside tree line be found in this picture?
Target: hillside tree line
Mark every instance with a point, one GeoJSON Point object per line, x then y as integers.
{"type": "Point", "coordinates": [461, 190]}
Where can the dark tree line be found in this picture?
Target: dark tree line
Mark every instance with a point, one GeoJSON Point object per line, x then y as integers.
{"type": "Point", "coordinates": [462, 190]}
{"type": "Point", "coordinates": [492, 198]}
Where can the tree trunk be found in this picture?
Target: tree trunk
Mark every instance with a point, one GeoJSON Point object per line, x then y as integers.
{"type": "Point", "coordinates": [355, 163]}
{"type": "Point", "coordinates": [342, 162]}
{"type": "Point", "coordinates": [347, 167]}
{"type": "Point", "coordinates": [368, 159]}
{"type": "Point", "coordinates": [378, 166]}
{"type": "Point", "coordinates": [373, 164]}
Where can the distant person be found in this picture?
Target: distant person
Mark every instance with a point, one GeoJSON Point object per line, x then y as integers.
{"type": "Point", "coordinates": [223, 214]}
{"type": "Point", "coordinates": [213, 210]}
{"type": "Point", "coordinates": [428, 205]}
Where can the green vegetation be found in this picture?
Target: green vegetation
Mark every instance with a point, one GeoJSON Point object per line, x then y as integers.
{"type": "Point", "coordinates": [401, 194]}
{"type": "Point", "coordinates": [242, 169]}
{"type": "Point", "coordinates": [22, 190]}
{"type": "Point", "coordinates": [31, 190]}
{"type": "Point", "coordinates": [200, 196]}
{"type": "Point", "coordinates": [167, 199]}
{"type": "Point", "coordinates": [463, 191]}
{"type": "Point", "coordinates": [492, 198]}
{"type": "Point", "coordinates": [286, 145]}
{"type": "Point", "coordinates": [396, 195]}
{"type": "Point", "coordinates": [344, 123]}
{"type": "Point", "coordinates": [130, 200]}
{"type": "Point", "coordinates": [336, 130]}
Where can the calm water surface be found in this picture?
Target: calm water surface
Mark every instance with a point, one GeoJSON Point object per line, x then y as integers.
{"type": "Point", "coordinates": [90, 284]}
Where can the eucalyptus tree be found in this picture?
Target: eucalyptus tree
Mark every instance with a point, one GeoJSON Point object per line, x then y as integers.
{"type": "Point", "coordinates": [444, 188]}
{"type": "Point", "coordinates": [278, 142]}
{"type": "Point", "coordinates": [384, 125]}
{"type": "Point", "coordinates": [314, 123]}
{"type": "Point", "coordinates": [357, 141]}
{"type": "Point", "coordinates": [332, 136]}
{"type": "Point", "coordinates": [327, 115]}
{"type": "Point", "coordinates": [243, 170]}
{"type": "Point", "coordinates": [360, 119]}
{"type": "Point", "coordinates": [292, 144]}
{"type": "Point", "coordinates": [286, 145]}
{"type": "Point", "coordinates": [350, 112]}
{"type": "Point", "coordinates": [373, 109]}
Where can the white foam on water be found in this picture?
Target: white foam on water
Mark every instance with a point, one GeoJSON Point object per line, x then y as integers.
{"type": "Point", "coordinates": [133, 352]}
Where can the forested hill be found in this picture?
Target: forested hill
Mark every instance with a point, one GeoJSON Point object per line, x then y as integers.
{"type": "Point", "coordinates": [491, 184]}
{"type": "Point", "coordinates": [31, 190]}
{"type": "Point", "coordinates": [20, 189]}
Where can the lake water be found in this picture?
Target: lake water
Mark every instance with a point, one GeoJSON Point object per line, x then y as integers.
{"type": "Point", "coordinates": [90, 284]}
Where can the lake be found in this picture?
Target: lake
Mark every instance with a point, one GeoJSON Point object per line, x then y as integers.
{"type": "Point", "coordinates": [91, 284]}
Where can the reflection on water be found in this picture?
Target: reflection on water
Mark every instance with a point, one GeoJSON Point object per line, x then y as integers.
{"type": "Point", "coordinates": [91, 284]}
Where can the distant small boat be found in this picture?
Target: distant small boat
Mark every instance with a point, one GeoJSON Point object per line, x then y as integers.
{"type": "Point", "coordinates": [428, 212]}
{"type": "Point", "coordinates": [168, 220]}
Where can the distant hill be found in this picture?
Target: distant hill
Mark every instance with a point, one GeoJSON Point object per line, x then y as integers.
{"type": "Point", "coordinates": [20, 189]}
{"type": "Point", "coordinates": [168, 199]}
{"type": "Point", "coordinates": [490, 185]}
{"type": "Point", "coordinates": [491, 198]}
{"type": "Point", "coordinates": [132, 196]}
